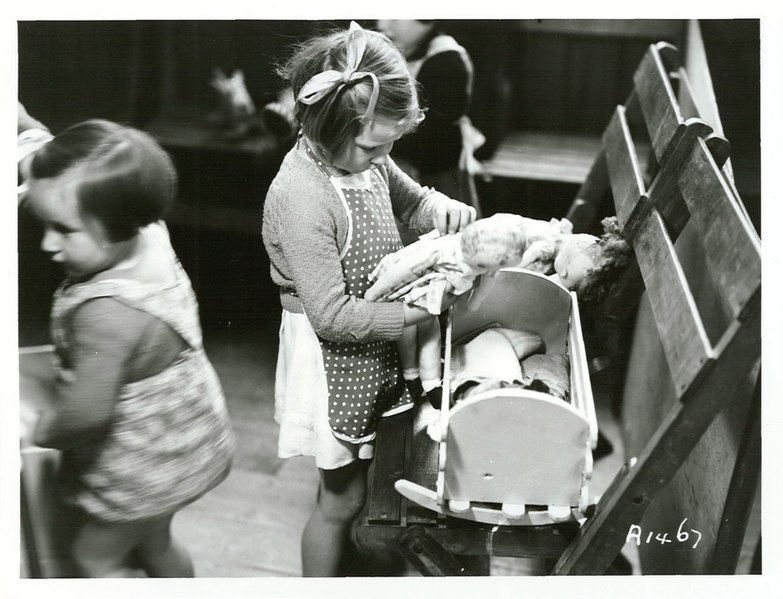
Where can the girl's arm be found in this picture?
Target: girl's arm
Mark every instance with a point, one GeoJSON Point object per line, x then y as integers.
{"type": "Point", "coordinates": [106, 334]}
{"type": "Point", "coordinates": [422, 209]}
{"type": "Point", "coordinates": [311, 259]}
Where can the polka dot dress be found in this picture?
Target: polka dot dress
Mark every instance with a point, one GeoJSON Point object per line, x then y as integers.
{"type": "Point", "coordinates": [364, 379]}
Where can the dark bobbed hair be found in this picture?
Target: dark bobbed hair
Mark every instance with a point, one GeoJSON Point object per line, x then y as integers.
{"type": "Point", "coordinates": [123, 177]}
{"type": "Point", "coordinates": [336, 119]}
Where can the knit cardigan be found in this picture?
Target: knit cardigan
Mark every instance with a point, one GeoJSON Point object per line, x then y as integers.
{"type": "Point", "coordinates": [304, 231]}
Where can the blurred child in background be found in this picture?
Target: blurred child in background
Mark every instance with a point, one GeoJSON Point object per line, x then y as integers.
{"type": "Point", "coordinates": [440, 152]}
{"type": "Point", "coordinates": [139, 413]}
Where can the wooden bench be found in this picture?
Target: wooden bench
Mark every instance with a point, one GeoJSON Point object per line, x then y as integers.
{"type": "Point", "coordinates": [554, 137]}
{"type": "Point", "coordinates": [693, 351]}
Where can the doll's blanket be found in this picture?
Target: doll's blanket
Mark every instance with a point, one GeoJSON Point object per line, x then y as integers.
{"type": "Point", "coordinates": [422, 272]}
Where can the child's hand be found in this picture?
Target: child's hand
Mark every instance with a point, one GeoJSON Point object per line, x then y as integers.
{"type": "Point", "coordinates": [452, 216]}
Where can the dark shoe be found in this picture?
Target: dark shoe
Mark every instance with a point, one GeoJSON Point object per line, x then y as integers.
{"type": "Point", "coordinates": [435, 397]}
{"type": "Point", "coordinates": [603, 448]}
{"type": "Point", "coordinates": [415, 389]}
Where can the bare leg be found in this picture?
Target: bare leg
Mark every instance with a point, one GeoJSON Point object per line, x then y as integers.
{"type": "Point", "coordinates": [161, 554]}
{"type": "Point", "coordinates": [101, 550]}
{"type": "Point", "coordinates": [341, 496]}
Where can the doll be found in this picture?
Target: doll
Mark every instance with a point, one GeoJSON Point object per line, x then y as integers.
{"type": "Point", "coordinates": [588, 264]}
{"type": "Point", "coordinates": [421, 273]}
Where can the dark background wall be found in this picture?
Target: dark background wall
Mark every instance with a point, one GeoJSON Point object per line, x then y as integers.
{"type": "Point", "coordinates": [550, 75]}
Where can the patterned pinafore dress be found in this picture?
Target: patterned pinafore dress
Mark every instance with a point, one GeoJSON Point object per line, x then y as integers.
{"type": "Point", "coordinates": [364, 379]}
{"type": "Point", "coordinates": [170, 440]}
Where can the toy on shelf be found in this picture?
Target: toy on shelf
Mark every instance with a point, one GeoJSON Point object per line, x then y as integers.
{"type": "Point", "coordinates": [236, 112]}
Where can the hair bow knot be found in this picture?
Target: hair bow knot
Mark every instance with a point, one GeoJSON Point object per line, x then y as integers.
{"type": "Point", "coordinates": [324, 83]}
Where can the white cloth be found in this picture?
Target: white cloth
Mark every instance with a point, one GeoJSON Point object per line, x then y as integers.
{"type": "Point", "coordinates": [302, 397]}
{"type": "Point", "coordinates": [27, 142]}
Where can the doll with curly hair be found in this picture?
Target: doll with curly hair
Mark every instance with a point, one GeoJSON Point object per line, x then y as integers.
{"type": "Point", "coordinates": [588, 264]}
{"type": "Point", "coordinates": [421, 273]}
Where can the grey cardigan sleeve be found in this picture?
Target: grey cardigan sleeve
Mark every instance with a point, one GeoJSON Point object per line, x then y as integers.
{"type": "Point", "coordinates": [412, 203]}
{"type": "Point", "coordinates": [310, 250]}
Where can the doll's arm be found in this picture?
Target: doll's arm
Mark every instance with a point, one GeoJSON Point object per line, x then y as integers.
{"type": "Point", "coordinates": [540, 256]}
{"type": "Point", "coordinates": [402, 268]}
{"type": "Point", "coordinates": [479, 294]}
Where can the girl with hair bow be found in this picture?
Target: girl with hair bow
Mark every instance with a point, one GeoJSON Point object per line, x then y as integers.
{"type": "Point", "coordinates": [329, 218]}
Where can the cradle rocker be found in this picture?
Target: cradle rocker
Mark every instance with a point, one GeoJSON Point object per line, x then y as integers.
{"type": "Point", "coordinates": [514, 456]}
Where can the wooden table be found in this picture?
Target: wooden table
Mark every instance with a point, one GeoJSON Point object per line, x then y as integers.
{"type": "Point", "coordinates": [48, 525]}
{"type": "Point", "coordinates": [435, 544]}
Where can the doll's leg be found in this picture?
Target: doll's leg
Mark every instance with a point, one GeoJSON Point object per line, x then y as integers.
{"type": "Point", "coordinates": [406, 347]}
{"type": "Point", "coordinates": [409, 361]}
{"type": "Point", "coordinates": [429, 359]}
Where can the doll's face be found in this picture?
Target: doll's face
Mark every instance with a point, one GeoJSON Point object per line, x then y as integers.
{"type": "Point", "coordinates": [576, 258]}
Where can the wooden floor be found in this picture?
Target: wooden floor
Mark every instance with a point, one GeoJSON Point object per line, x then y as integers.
{"type": "Point", "coordinates": [251, 524]}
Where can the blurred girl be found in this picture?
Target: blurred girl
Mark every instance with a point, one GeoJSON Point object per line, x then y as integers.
{"type": "Point", "coordinates": [328, 220]}
{"type": "Point", "coordinates": [139, 413]}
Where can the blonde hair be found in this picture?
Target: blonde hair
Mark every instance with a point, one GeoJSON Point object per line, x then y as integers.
{"type": "Point", "coordinates": [336, 119]}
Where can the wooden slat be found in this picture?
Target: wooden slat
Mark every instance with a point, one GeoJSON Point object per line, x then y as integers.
{"type": "Point", "coordinates": [602, 537]}
{"type": "Point", "coordinates": [383, 501]}
{"type": "Point", "coordinates": [583, 210]}
{"type": "Point", "coordinates": [699, 81]}
{"type": "Point", "coordinates": [740, 496]}
{"type": "Point", "coordinates": [731, 246]}
{"type": "Point", "coordinates": [542, 156]}
{"type": "Point", "coordinates": [421, 466]}
{"type": "Point", "coordinates": [664, 192]}
{"type": "Point", "coordinates": [625, 175]}
{"type": "Point", "coordinates": [657, 100]}
{"type": "Point", "coordinates": [679, 325]}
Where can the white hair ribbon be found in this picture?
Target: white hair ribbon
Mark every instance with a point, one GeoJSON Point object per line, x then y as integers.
{"type": "Point", "coordinates": [324, 83]}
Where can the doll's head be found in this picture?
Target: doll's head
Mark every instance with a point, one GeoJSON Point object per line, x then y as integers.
{"type": "Point", "coordinates": [344, 81]}
{"type": "Point", "coordinates": [588, 264]}
{"type": "Point", "coordinates": [492, 243]}
{"type": "Point", "coordinates": [94, 186]}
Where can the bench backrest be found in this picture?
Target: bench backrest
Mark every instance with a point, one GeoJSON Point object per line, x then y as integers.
{"type": "Point", "coordinates": [695, 343]}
